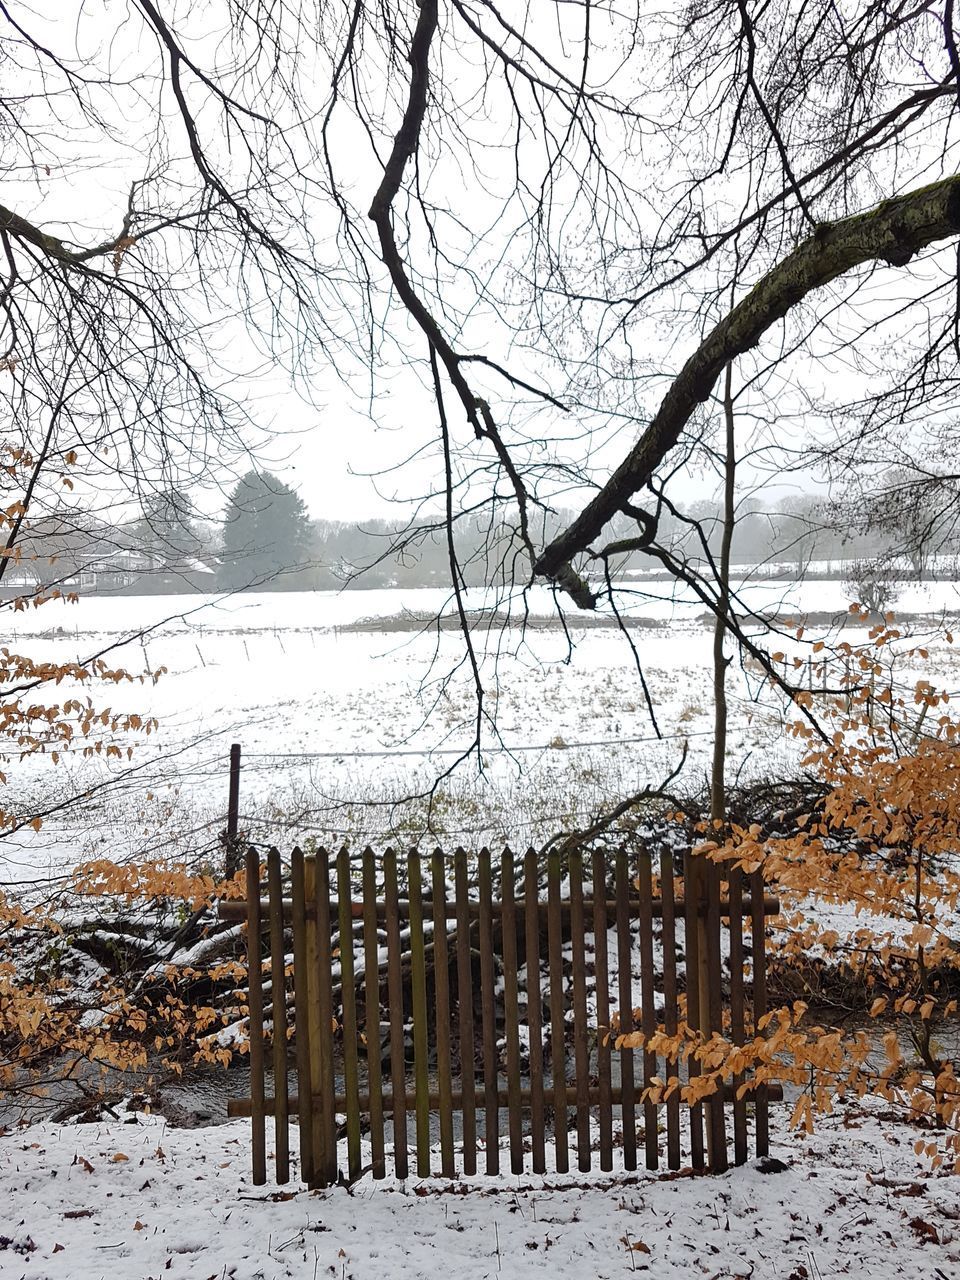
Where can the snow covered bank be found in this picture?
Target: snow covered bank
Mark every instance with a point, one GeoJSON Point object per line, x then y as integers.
{"type": "Point", "coordinates": [143, 1200]}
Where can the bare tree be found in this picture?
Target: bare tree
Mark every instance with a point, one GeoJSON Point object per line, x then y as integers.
{"type": "Point", "coordinates": [540, 216]}
{"type": "Point", "coordinates": [120, 312]}
{"type": "Point", "coordinates": [815, 115]}
{"type": "Point", "coordinates": [873, 584]}
{"type": "Point", "coordinates": [910, 499]}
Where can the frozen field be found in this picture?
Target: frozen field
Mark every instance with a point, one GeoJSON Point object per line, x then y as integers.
{"type": "Point", "coordinates": [338, 724]}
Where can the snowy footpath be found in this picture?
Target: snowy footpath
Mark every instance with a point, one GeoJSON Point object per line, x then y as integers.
{"type": "Point", "coordinates": [145, 1200]}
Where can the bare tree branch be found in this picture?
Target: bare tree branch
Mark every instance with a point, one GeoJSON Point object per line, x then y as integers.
{"type": "Point", "coordinates": [893, 232]}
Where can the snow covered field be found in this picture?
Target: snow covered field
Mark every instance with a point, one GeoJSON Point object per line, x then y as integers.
{"type": "Point", "coordinates": [334, 720]}
{"type": "Point", "coordinates": [337, 723]}
{"type": "Point", "coordinates": [142, 1201]}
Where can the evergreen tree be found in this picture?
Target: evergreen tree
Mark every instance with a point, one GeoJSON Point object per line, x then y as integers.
{"type": "Point", "coordinates": [267, 534]}
{"type": "Point", "coordinates": [168, 532]}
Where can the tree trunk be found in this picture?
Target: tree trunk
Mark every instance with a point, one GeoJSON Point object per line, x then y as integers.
{"type": "Point", "coordinates": [718, 793]}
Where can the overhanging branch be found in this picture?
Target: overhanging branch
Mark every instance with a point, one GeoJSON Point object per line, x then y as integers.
{"type": "Point", "coordinates": [405, 144]}
{"type": "Point", "coordinates": [892, 232]}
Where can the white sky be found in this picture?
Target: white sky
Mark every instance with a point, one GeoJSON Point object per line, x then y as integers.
{"type": "Point", "coordinates": [340, 448]}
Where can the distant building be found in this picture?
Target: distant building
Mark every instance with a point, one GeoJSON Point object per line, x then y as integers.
{"type": "Point", "coordinates": [114, 571]}
{"type": "Point", "coordinates": [60, 553]}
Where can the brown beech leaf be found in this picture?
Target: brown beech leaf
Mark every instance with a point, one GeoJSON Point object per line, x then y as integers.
{"type": "Point", "coordinates": [637, 1246]}
{"type": "Point", "coordinates": [924, 1231]}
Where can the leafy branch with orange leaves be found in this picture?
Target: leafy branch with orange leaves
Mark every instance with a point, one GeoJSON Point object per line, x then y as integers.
{"type": "Point", "coordinates": [125, 970]}
{"type": "Point", "coordinates": [111, 967]}
{"type": "Point", "coordinates": [869, 880]}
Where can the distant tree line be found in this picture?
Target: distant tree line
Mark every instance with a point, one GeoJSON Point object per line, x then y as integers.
{"type": "Point", "coordinates": [266, 541]}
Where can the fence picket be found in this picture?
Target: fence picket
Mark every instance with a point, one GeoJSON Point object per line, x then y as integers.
{"type": "Point", "coordinates": [558, 1054]}
{"type": "Point", "coordinates": [648, 1014]}
{"type": "Point", "coordinates": [692, 972]}
{"type": "Point", "coordinates": [580, 1031]}
{"type": "Point", "coordinates": [669, 938]}
{"type": "Point", "coordinates": [625, 984]}
{"type": "Point", "coordinates": [465, 1013]}
{"type": "Point", "coordinates": [302, 1014]}
{"type": "Point", "coordinates": [511, 1009]}
{"type": "Point", "coordinates": [762, 1113]}
{"type": "Point", "coordinates": [371, 956]}
{"type": "Point", "coordinates": [278, 1001]}
{"type": "Point", "coordinates": [255, 1020]}
{"type": "Point", "coordinates": [737, 1029]}
{"type": "Point", "coordinates": [398, 1072]}
{"type": "Point", "coordinates": [328, 1120]}
{"type": "Point", "coordinates": [313, 1015]}
{"type": "Point", "coordinates": [718, 1131]}
{"type": "Point", "coordinates": [531, 894]}
{"type": "Point", "coordinates": [348, 996]}
{"type": "Point", "coordinates": [441, 988]}
{"type": "Point", "coordinates": [418, 993]}
{"type": "Point", "coordinates": [491, 1114]}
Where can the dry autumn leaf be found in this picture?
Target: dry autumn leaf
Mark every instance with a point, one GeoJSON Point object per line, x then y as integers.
{"type": "Point", "coordinates": [636, 1246]}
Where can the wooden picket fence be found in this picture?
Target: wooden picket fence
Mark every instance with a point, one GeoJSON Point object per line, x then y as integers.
{"type": "Point", "coordinates": [375, 945]}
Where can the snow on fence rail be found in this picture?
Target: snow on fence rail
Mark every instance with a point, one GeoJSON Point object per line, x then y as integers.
{"type": "Point", "coordinates": [377, 977]}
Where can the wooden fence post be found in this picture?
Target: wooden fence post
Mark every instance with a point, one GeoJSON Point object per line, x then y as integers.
{"type": "Point", "coordinates": [315, 1031]}
{"type": "Point", "coordinates": [531, 894]}
{"type": "Point", "coordinates": [758, 930]}
{"type": "Point", "coordinates": [491, 1110]}
{"type": "Point", "coordinates": [648, 1017]}
{"type": "Point", "coordinates": [418, 993]}
{"type": "Point", "coordinates": [714, 1025]}
{"type": "Point", "coordinates": [232, 852]}
{"type": "Point", "coordinates": [737, 1030]}
{"type": "Point", "coordinates": [670, 1011]}
{"type": "Point", "coordinates": [601, 963]}
{"type": "Point", "coordinates": [581, 1052]}
{"type": "Point", "coordinates": [328, 1119]}
{"type": "Point", "coordinates": [465, 1015]}
{"type": "Point", "coordinates": [558, 1049]}
{"type": "Point", "coordinates": [625, 995]}
{"type": "Point", "coordinates": [511, 1010]}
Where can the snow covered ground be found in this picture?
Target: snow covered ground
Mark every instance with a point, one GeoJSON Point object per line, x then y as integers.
{"type": "Point", "coordinates": [142, 1200]}
{"type": "Point", "coordinates": [334, 721]}
{"type": "Point", "coordinates": [338, 725]}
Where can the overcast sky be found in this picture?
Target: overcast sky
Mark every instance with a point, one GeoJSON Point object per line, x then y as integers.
{"type": "Point", "coordinates": [355, 446]}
